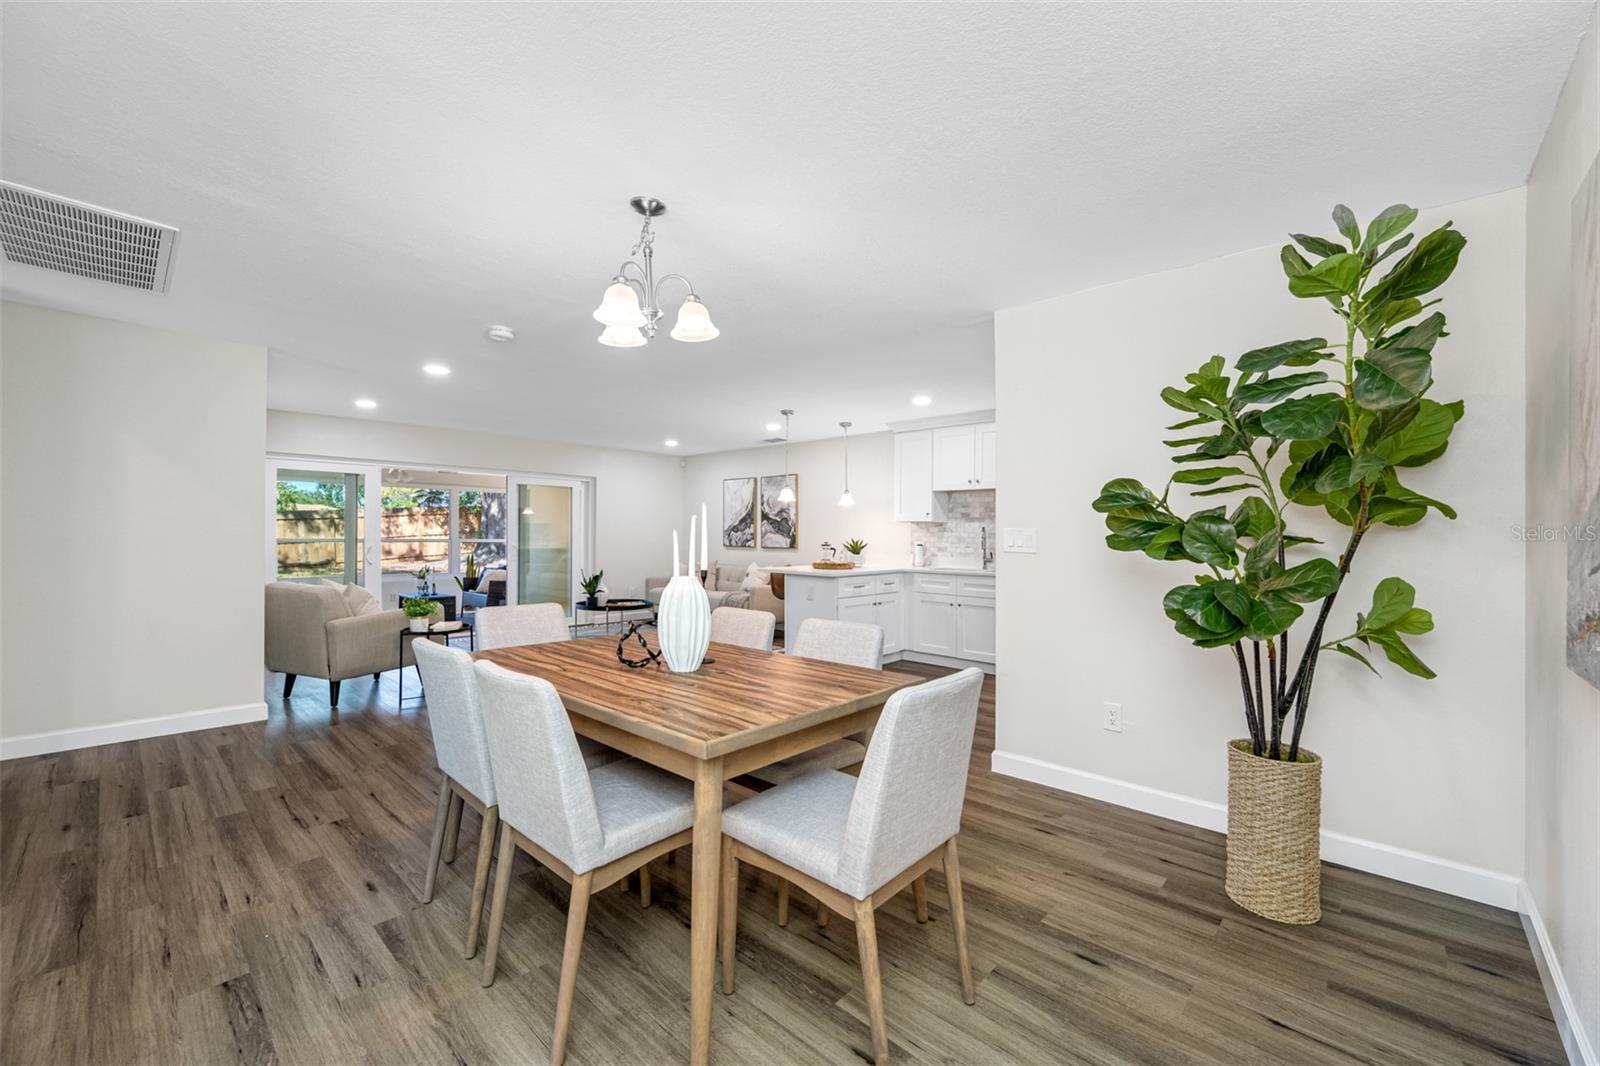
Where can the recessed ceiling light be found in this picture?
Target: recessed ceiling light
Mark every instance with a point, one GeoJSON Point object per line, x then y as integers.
{"type": "Point", "coordinates": [502, 334]}
{"type": "Point", "coordinates": [773, 427]}
{"type": "Point", "coordinates": [366, 404]}
{"type": "Point", "coordinates": [438, 370]}
{"type": "Point", "coordinates": [922, 401]}
{"type": "Point", "coordinates": [669, 442]}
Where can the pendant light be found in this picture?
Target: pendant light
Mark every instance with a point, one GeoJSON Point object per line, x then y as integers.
{"type": "Point", "coordinates": [787, 494]}
{"type": "Point", "coordinates": [845, 498]}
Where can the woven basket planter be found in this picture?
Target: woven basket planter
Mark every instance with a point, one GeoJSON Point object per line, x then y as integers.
{"type": "Point", "coordinates": [1274, 835]}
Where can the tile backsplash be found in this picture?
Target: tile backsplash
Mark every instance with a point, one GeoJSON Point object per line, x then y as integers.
{"type": "Point", "coordinates": [956, 541]}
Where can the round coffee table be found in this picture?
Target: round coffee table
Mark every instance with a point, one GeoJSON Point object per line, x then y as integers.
{"type": "Point", "coordinates": [620, 606]}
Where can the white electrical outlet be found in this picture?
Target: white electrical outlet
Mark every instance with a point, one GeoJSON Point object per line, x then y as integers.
{"type": "Point", "coordinates": [1021, 540]}
{"type": "Point", "coordinates": [1113, 720]}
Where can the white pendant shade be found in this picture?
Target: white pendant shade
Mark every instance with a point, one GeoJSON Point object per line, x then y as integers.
{"type": "Point", "coordinates": [694, 322]}
{"type": "Point", "coordinates": [622, 337]}
{"type": "Point", "coordinates": [620, 307]}
{"type": "Point", "coordinates": [846, 500]}
{"type": "Point", "coordinates": [786, 495]}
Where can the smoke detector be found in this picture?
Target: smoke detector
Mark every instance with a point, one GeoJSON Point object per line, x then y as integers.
{"type": "Point", "coordinates": [43, 230]}
{"type": "Point", "coordinates": [502, 334]}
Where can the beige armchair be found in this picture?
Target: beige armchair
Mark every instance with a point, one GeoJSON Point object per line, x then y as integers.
{"type": "Point", "coordinates": [311, 631]}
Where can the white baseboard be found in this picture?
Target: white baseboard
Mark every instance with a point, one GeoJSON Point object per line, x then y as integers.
{"type": "Point", "coordinates": [1578, 1044]}
{"type": "Point", "coordinates": [923, 657]}
{"type": "Point", "coordinates": [137, 729]}
{"type": "Point", "coordinates": [1429, 871]}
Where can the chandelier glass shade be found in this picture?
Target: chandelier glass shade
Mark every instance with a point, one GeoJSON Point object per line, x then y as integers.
{"type": "Point", "coordinates": [631, 309]}
{"type": "Point", "coordinates": [786, 494]}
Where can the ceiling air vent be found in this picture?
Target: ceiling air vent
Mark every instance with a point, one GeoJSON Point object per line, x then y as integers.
{"type": "Point", "coordinates": [55, 233]}
{"type": "Point", "coordinates": [770, 440]}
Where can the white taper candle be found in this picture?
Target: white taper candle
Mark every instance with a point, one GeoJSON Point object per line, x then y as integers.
{"type": "Point", "coordinates": [705, 550]}
{"type": "Point", "coordinates": [675, 559]}
{"type": "Point", "coordinates": [691, 546]}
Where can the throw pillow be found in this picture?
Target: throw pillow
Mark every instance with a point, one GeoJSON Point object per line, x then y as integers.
{"type": "Point", "coordinates": [360, 600]}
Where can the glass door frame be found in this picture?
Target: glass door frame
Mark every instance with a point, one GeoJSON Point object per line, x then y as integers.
{"type": "Point", "coordinates": [371, 548]}
{"type": "Point", "coordinates": [582, 531]}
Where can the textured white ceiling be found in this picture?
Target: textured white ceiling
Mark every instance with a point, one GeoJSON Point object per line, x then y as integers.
{"type": "Point", "coordinates": [852, 188]}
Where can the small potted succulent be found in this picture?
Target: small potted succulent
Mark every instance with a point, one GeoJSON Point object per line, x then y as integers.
{"type": "Point", "coordinates": [593, 589]}
{"type": "Point", "coordinates": [853, 548]}
{"type": "Point", "coordinates": [420, 612]}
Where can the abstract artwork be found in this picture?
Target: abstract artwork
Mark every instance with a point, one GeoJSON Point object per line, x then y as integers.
{"type": "Point", "coordinates": [739, 512]}
{"type": "Point", "coordinates": [780, 522]}
{"type": "Point", "coordinates": [1583, 437]}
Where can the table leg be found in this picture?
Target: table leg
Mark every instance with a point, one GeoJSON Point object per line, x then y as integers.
{"type": "Point", "coordinates": [703, 906]}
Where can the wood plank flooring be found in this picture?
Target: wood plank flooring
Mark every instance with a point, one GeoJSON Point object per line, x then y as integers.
{"type": "Point", "coordinates": [248, 895]}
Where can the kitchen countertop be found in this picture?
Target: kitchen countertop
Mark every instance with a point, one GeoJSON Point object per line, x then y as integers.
{"type": "Point", "coordinates": [805, 569]}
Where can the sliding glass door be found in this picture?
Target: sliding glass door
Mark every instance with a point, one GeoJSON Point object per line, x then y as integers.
{"type": "Point", "coordinates": [549, 541]}
{"type": "Point", "coordinates": [323, 524]}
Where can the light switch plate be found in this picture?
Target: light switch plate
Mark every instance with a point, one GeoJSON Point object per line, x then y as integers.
{"type": "Point", "coordinates": [1023, 540]}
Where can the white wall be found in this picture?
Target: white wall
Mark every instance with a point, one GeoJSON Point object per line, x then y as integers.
{"type": "Point", "coordinates": [820, 465]}
{"type": "Point", "coordinates": [132, 536]}
{"type": "Point", "coordinates": [638, 496]}
{"type": "Point", "coordinates": [1431, 767]}
{"type": "Point", "coordinates": [1563, 730]}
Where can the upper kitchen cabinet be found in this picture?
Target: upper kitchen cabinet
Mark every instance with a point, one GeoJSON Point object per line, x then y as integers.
{"type": "Point", "coordinates": [914, 499]}
{"type": "Point", "coordinates": [944, 458]}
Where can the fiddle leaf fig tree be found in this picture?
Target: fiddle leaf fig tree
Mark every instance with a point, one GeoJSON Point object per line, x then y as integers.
{"type": "Point", "coordinates": [1307, 423]}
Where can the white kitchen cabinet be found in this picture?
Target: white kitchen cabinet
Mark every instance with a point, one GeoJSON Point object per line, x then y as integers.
{"type": "Point", "coordinates": [955, 454]}
{"type": "Point", "coordinates": [914, 498]}
{"type": "Point", "coordinates": [984, 437]}
{"type": "Point", "coordinates": [975, 638]}
{"type": "Point", "coordinates": [880, 609]}
{"type": "Point", "coordinates": [891, 619]}
{"type": "Point", "coordinates": [862, 609]}
{"type": "Point", "coordinates": [933, 623]}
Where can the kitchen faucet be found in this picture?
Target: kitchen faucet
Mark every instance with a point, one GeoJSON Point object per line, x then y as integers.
{"type": "Point", "coordinates": [983, 547]}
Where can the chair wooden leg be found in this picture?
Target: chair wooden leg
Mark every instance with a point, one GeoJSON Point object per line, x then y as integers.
{"type": "Point", "coordinates": [452, 828]}
{"type": "Point", "coordinates": [438, 841]}
{"type": "Point", "coordinates": [644, 886]}
{"type": "Point", "coordinates": [823, 914]}
{"type": "Point", "coordinates": [919, 893]}
{"type": "Point", "coordinates": [577, 917]}
{"type": "Point", "coordinates": [783, 903]}
{"type": "Point", "coordinates": [480, 878]}
{"type": "Point", "coordinates": [497, 907]}
{"type": "Point", "coordinates": [729, 924]}
{"type": "Point", "coordinates": [867, 945]}
{"type": "Point", "coordinates": [288, 685]}
{"type": "Point", "coordinates": [333, 694]}
{"type": "Point", "coordinates": [958, 918]}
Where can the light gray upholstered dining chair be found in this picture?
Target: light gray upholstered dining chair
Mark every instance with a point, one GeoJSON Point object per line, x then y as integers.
{"type": "Point", "coordinates": [521, 623]}
{"type": "Point", "coordinates": [850, 643]}
{"type": "Point", "coordinates": [854, 843]}
{"type": "Point", "coordinates": [462, 751]}
{"type": "Point", "coordinates": [746, 628]}
{"type": "Point", "coordinates": [592, 826]}
{"type": "Point", "coordinates": [541, 623]}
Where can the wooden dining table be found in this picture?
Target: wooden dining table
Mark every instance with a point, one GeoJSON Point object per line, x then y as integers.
{"type": "Point", "coordinates": [743, 709]}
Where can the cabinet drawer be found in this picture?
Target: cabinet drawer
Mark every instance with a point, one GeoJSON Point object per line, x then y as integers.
{"type": "Point", "coordinates": [941, 583]}
{"type": "Point", "coordinates": [981, 587]}
{"type": "Point", "coordinates": [855, 586]}
{"type": "Point", "coordinates": [891, 583]}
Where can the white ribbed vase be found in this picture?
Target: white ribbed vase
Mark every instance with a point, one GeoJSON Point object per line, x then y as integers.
{"type": "Point", "coordinates": [683, 624]}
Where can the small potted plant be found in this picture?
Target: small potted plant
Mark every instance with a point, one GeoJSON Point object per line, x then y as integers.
{"type": "Point", "coordinates": [422, 578]}
{"type": "Point", "coordinates": [591, 585]}
{"type": "Point", "coordinates": [469, 575]}
{"type": "Point", "coordinates": [419, 611]}
{"type": "Point", "coordinates": [854, 548]}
